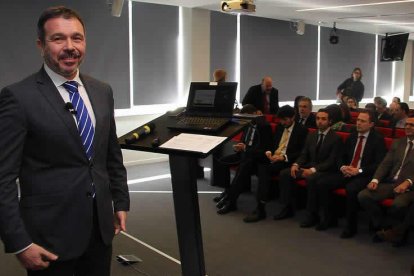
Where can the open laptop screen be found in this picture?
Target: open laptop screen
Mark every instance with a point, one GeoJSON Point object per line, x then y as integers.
{"type": "Point", "coordinates": [211, 98]}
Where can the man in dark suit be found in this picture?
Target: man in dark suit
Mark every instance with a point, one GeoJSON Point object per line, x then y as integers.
{"type": "Point", "coordinates": [305, 116]}
{"type": "Point", "coordinates": [255, 141]}
{"type": "Point", "coordinates": [318, 156]}
{"type": "Point", "coordinates": [263, 96]}
{"type": "Point", "coordinates": [363, 152]}
{"type": "Point", "coordinates": [74, 195]}
{"type": "Point", "coordinates": [393, 179]}
{"type": "Point", "coordinates": [381, 108]}
{"type": "Point", "coordinates": [288, 143]}
{"type": "Point", "coordinates": [400, 115]}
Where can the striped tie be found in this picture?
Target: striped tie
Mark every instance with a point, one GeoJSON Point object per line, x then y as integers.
{"type": "Point", "coordinates": [84, 122]}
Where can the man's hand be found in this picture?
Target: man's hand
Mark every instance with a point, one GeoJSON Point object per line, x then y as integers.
{"type": "Point", "coordinates": [306, 173]}
{"type": "Point", "coordinates": [372, 186]}
{"type": "Point", "coordinates": [293, 170]}
{"type": "Point", "coordinates": [402, 188]}
{"type": "Point", "coordinates": [239, 147]}
{"type": "Point", "coordinates": [349, 171]}
{"type": "Point", "coordinates": [36, 257]}
{"type": "Point", "coordinates": [120, 221]}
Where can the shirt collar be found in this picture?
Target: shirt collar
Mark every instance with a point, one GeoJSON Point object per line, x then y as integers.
{"type": "Point", "coordinates": [364, 134]}
{"type": "Point", "coordinates": [57, 79]}
{"type": "Point", "coordinates": [325, 132]}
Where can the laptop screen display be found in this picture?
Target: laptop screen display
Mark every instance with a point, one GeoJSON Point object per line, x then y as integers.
{"type": "Point", "coordinates": [204, 98]}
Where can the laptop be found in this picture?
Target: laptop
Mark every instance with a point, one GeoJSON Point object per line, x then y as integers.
{"type": "Point", "coordinates": [209, 107]}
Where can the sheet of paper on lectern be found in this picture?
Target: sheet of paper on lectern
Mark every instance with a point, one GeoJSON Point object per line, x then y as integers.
{"type": "Point", "coordinates": [193, 142]}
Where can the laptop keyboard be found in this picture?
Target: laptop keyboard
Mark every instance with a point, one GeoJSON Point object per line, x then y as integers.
{"type": "Point", "coordinates": [202, 122]}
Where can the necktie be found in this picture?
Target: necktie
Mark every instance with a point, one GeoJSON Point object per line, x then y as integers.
{"type": "Point", "coordinates": [283, 142]}
{"type": "Point", "coordinates": [84, 122]}
{"type": "Point", "coordinates": [357, 154]}
{"type": "Point", "coordinates": [319, 144]}
{"type": "Point", "coordinates": [301, 121]}
{"type": "Point", "coordinates": [266, 109]}
{"type": "Point", "coordinates": [410, 147]}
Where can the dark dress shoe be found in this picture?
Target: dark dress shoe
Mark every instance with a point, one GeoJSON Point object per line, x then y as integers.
{"type": "Point", "coordinates": [286, 212]}
{"type": "Point", "coordinates": [227, 208]}
{"type": "Point", "coordinates": [310, 221]}
{"type": "Point", "coordinates": [220, 197]}
{"type": "Point", "coordinates": [397, 237]}
{"type": "Point", "coordinates": [255, 217]}
{"type": "Point", "coordinates": [348, 233]}
{"type": "Point", "coordinates": [324, 225]}
{"type": "Point", "coordinates": [222, 202]}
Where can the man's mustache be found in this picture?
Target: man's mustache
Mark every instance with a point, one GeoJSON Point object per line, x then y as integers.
{"type": "Point", "coordinates": [71, 54]}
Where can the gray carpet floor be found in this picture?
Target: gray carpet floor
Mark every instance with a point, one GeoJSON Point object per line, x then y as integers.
{"type": "Point", "coordinates": [232, 247]}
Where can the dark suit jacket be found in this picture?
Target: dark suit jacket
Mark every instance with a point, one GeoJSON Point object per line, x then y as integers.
{"type": "Point", "coordinates": [373, 154]}
{"type": "Point", "coordinates": [262, 141]}
{"type": "Point", "coordinates": [328, 153]}
{"type": "Point", "coordinates": [41, 146]}
{"type": "Point", "coordinates": [296, 141]}
{"type": "Point", "coordinates": [255, 97]}
{"type": "Point", "coordinates": [310, 121]}
{"type": "Point", "coordinates": [392, 162]}
{"type": "Point", "coordinates": [385, 116]}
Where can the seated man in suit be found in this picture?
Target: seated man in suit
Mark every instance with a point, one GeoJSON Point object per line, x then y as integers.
{"type": "Point", "coordinates": [305, 116]}
{"type": "Point", "coordinates": [318, 156]}
{"type": "Point", "coordinates": [400, 114]}
{"type": "Point", "coordinates": [255, 140]}
{"type": "Point", "coordinates": [381, 108]}
{"type": "Point", "coordinates": [263, 96]}
{"type": "Point", "coordinates": [363, 152]}
{"type": "Point", "coordinates": [393, 179]}
{"type": "Point", "coordinates": [289, 141]}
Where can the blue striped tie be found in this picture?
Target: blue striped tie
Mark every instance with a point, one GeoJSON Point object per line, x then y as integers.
{"type": "Point", "coordinates": [84, 122]}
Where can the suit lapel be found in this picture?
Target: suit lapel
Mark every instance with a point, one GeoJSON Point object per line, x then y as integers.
{"type": "Point", "coordinates": [52, 96]}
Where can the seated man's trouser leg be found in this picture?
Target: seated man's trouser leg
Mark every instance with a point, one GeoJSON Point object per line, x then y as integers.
{"type": "Point", "coordinates": [242, 178]}
{"type": "Point", "coordinates": [221, 171]}
{"type": "Point", "coordinates": [316, 187]}
{"type": "Point", "coordinates": [265, 173]}
{"type": "Point", "coordinates": [370, 201]}
{"type": "Point", "coordinates": [324, 185]}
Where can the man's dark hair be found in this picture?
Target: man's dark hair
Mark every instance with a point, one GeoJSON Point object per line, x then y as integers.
{"type": "Point", "coordinates": [327, 111]}
{"type": "Point", "coordinates": [55, 12]}
{"type": "Point", "coordinates": [248, 109]}
{"type": "Point", "coordinates": [404, 106]}
{"type": "Point", "coordinates": [306, 99]}
{"type": "Point", "coordinates": [381, 101]}
{"type": "Point", "coordinates": [286, 111]}
{"type": "Point", "coordinates": [371, 114]}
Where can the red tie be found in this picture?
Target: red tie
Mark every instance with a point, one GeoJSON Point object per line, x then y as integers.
{"type": "Point", "coordinates": [265, 104]}
{"type": "Point", "coordinates": [357, 154]}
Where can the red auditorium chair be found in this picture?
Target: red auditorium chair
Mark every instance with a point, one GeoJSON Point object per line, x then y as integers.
{"type": "Point", "coordinates": [383, 123]}
{"type": "Point", "coordinates": [269, 117]}
{"type": "Point", "coordinates": [399, 132]}
{"type": "Point", "coordinates": [343, 135]}
{"type": "Point", "coordinates": [386, 131]}
{"type": "Point", "coordinates": [388, 142]}
{"type": "Point", "coordinates": [354, 116]}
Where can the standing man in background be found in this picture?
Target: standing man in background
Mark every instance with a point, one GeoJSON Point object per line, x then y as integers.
{"type": "Point", "coordinates": [59, 138]}
{"type": "Point", "coordinates": [263, 96]}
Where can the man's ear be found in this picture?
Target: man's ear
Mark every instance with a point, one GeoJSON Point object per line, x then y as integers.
{"type": "Point", "coordinates": [40, 46]}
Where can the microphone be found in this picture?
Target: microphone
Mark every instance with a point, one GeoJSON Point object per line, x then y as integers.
{"type": "Point", "coordinates": [141, 132]}
{"type": "Point", "coordinates": [69, 107]}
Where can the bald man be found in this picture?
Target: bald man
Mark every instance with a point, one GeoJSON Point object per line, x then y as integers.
{"type": "Point", "coordinates": [263, 96]}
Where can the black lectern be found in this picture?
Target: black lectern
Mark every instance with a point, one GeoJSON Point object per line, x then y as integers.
{"type": "Point", "coordinates": [184, 184]}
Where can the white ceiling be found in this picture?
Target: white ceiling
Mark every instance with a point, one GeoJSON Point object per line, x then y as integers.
{"type": "Point", "coordinates": [376, 19]}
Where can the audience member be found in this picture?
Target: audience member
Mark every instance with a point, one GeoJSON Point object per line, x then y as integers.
{"type": "Point", "coordinates": [296, 104]}
{"type": "Point", "coordinates": [220, 75]}
{"type": "Point", "coordinates": [318, 156]}
{"type": "Point", "coordinates": [392, 179]}
{"type": "Point", "coordinates": [255, 141]}
{"type": "Point", "coordinates": [336, 116]}
{"type": "Point", "coordinates": [381, 108]}
{"type": "Point", "coordinates": [363, 152]}
{"type": "Point", "coordinates": [289, 141]}
{"type": "Point", "coordinates": [352, 104]}
{"type": "Point", "coordinates": [263, 96]}
{"type": "Point", "coordinates": [396, 100]}
{"type": "Point", "coordinates": [304, 116]}
{"type": "Point", "coordinates": [400, 115]}
{"type": "Point", "coordinates": [352, 87]}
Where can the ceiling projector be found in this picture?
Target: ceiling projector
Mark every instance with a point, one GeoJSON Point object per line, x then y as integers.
{"type": "Point", "coordinates": [238, 6]}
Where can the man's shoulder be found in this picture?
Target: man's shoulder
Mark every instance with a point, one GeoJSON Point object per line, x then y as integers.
{"type": "Point", "coordinates": [92, 81]}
